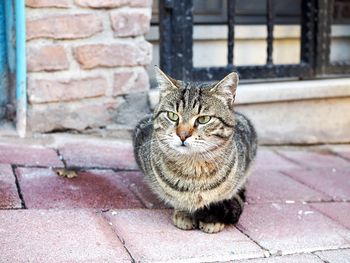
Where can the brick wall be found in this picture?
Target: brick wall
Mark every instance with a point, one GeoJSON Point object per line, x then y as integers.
{"type": "Point", "coordinates": [86, 62]}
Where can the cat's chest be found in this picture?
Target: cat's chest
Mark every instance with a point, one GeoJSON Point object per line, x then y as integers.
{"type": "Point", "coordinates": [194, 169]}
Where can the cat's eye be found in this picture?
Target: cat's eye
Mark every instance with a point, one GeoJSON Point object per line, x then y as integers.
{"type": "Point", "coordinates": [203, 119]}
{"type": "Point", "coordinates": [172, 116]}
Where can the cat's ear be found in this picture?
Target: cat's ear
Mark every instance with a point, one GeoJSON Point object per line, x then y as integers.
{"type": "Point", "coordinates": [165, 82]}
{"type": "Point", "coordinates": [226, 88]}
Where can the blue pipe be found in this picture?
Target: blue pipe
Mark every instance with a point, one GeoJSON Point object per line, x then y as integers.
{"type": "Point", "coordinates": [21, 67]}
{"type": "Point", "coordinates": [10, 38]}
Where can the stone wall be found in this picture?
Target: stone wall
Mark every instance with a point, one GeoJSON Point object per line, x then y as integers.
{"type": "Point", "coordinates": [86, 62]}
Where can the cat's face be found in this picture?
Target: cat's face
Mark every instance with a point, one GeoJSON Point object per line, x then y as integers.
{"type": "Point", "coordinates": [194, 118]}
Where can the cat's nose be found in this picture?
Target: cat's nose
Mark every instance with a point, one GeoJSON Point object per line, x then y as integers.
{"type": "Point", "coordinates": [184, 131]}
{"type": "Point", "coordinates": [183, 135]}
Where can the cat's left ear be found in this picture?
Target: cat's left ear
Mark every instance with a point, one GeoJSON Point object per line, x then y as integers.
{"type": "Point", "coordinates": [226, 88]}
{"type": "Point", "coordinates": [164, 81]}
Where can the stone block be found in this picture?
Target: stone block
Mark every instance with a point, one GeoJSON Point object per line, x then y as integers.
{"type": "Point", "coordinates": [335, 256]}
{"type": "Point", "coordinates": [118, 156]}
{"type": "Point", "coordinates": [28, 155]}
{"type": "Point", "coordinates": [72, 115]}
{"type": "Point", "coordinates": [137, 184]}
{"type": "Point", "coordinates": [150, 237]}
{"type": "Point", "coordinates": [9, 197]}
{"type": "Point", "coordinates": [271, 186]}
{"type": "Point", "coordinates": [113, 3]}
{"type": "Point", "coordinates": [301, 121]}
{"type": "Point", "coordinates": [47, 3]}
{"type": "Point", "coordinates": [64, 26]}
{"type": "Point", "coordinates": [315, 159]}
{"type": "Point", "coordinates": [292, 228]}
{"type": "Point", "coordinates": [98, 189]}
{"type": "Point", "coordinates": [269, 160]}
{"type": "Point", "coordinates": [338, 211]}
{"type": "Point", "coordinates": [297, 258]}
{"type": "Point", "coordinates": [46, 58]}
{"type": "Point", "coordinates": [126, 82]}
{"type": "Point", "coordinates": [57, 90]}
{"type": "Point", "coordinates": [112, 55]}
{"type": "Point", "coordinates": [58, 236]}
{"type": "Point", "coordinates": [126, 23]}
{"type": "Point", "coordinates": [332, 181]}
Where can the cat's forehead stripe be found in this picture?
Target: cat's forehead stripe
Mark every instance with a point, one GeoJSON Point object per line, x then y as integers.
{"type": "Point", "coordinates": [190, 96]}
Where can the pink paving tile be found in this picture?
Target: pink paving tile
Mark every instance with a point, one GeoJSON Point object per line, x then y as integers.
{"type": "Point", "coordinates": [315, 159]}
{"type": "Point", "coordinates": [333, 182]}
{"type": "Point", "coordinates": [8, 190]}
{"type": "Point", "coordinates": [268, 160]}
{"type": "Point", "coordinates": [298, 258]}
{"type": "Point", "coordinates": [271, 186]}
{"type": "Point", "coordinates": [341, 149]}
{"type": "Point", "coordinates": [137, 184]}
{"type": "Point", "coordinates": [118, 156]}
{"type": "Point", "coordinates": [339, 212]}
{"type": "Point", "coordinates": [42, 188]}
{"type": "Point", "coordinates": [345, 154]}
{"type": "Point", "coordinates": [58, 236]}
{"type": "Point", "coordinates": [292, 228]}
{"type": "Point", "coordinates": [150, 237]}
{"type": "Point", "coordinates": [29, 155]}
{"type": "Point", "coordinates": [335, 256]}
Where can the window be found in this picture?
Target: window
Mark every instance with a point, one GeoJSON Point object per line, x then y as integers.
{"type": "Point", "coordinates": [254, 12]}
{"type": "Point", "coordinates": [247, 12]}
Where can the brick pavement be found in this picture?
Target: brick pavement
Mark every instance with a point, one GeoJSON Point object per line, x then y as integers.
{"type": "Point", "coordinates": [298, 207]}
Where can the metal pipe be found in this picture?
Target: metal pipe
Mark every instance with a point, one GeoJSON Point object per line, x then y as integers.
{"type": "Point", "coordinates": [21, 68]}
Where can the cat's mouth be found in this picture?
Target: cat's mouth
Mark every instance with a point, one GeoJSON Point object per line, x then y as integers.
{"type": "Point", "coordinates": [184, 144]}
{"type": "Point", "coordinates": [182, 147]}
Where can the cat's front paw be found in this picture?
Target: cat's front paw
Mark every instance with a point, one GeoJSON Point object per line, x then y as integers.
{"type": "Point", "coordinates": [184, 220]}
{"type": "Point", "coordinates": [211, 228]}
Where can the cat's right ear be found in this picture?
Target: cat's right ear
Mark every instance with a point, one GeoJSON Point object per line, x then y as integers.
{"type": "Point", "coordinates": [165, 82]}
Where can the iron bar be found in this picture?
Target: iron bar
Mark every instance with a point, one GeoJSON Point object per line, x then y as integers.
{"type": "Point", "coordinates": [270, 16]}
{"type": "Point", "coordinates": [231, 10]}
{"type": "Point", "coordinates": [252, 72]}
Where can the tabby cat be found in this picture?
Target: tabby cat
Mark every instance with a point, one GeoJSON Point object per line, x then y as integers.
{"type": "Point", "coordinates": [195, 152]}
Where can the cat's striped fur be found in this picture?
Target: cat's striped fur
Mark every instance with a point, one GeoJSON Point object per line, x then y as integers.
{"type": "Point", "coordinates": [199, 169]}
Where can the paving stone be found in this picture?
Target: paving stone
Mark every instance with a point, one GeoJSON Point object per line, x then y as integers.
{"type": "Point", "coordinates": [331, 181]}
{"type": "Point", "coordinates": [57, 236]}
{"type": "Point", "coordinates": [339, 212]}
{"type": "Point", "coordinates": [315, 159]}
{"type": "Point", "coordinates": [43, 188]}
{"type": "Point", "coordinates": [150, 236]}
{"type": "Point", "coordinates": [340, 149]}
{"type": "Point", "coordinates": [271, 186]}
{"type": "Point", "coordinates": [118, 156]}
{"type": "Point", "coordinates": [298, 258]}
{"type": "Point", "coordinates": [8, 190]}
{"type": "Point", "coordinates": [137, 184]}
{"type": "Point", "coordinates": [29, 155]}
{"type": "Point", "coordinates": [335, 256]}
{"type": "Point", "coordinates": [345, 154]}
{"type": "Point", "coordinates": [268, 160]}
{"type": "Point", "coordinates": [292, 228]}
